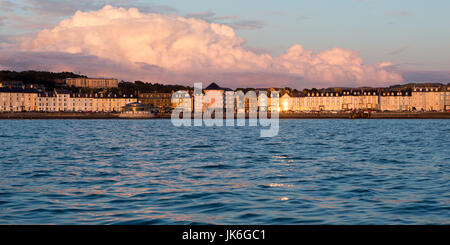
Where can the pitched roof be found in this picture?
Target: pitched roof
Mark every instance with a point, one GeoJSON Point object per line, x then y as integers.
{"type": "Point", "coordinates": [17, 90]}
{"type": "Point", "coordinates": [214, 86]}
{"type": "Point", "coordinates": [297, 94]}
{"type": "Point", "coordinates": [62, 91]}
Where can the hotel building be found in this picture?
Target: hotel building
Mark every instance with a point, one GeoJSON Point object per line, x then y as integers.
{"type": "Point", "coordinates": [58, 100]}
{"type": "Point", "coordinates": [160, 101]}
{"type": "Point", "coordinates": [322, 101]}
{"type": "Point", "coordinates": [110, 102]}
{"type": "Point", "coordinates": [185, 101]}
{"type": "Point", "coordinates": [63, 101]}
{"type": "Point", "coordinates": [430, 98]}
{"type": "Point", "coordinates": [212, 92]}
{"type": "Point", "coordinates": [81, 102]}
{"type": "Point", "coordinates": [396, 100]}
{"type": "Point", "coordinates": [92, 82]}
{"type": "Point", "coordinates": [18, 99]}
{"type": "Point", "coordinates": [447, 98]}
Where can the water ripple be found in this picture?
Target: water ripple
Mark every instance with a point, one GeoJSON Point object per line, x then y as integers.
{"type": "Point", "coordinates": [149, 172]}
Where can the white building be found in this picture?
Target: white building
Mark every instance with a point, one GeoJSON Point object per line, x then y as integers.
{"type": "Point", "coordinates": [80, 103]}
{"type": "Point", "coordinates": [321, 101]}
{"type": "Point", "coordinates": [56, 101]}
{"type": "Point", "coordinates": [446, 92]}
{"type": "Point", "coordinates": [18, 99]}
{"type": "Point", "coordinates": [111, 103]}
{"type": "Point", "coordinates": [92, 82]}
{"type": "Point", "coordinates": [396, 101]}
{"type": "Point", "coordinates": [214, 97]}
{"type": "Point", "coordinates": [183, 100]}
{"type": "Point", "coordinates": [429, 98]}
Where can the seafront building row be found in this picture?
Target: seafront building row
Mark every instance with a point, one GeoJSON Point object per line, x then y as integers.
{"type": "Point", "coordinates": [410, 98]}
{"type": "Point", "coordinates": [26, 99]}
{"type": "Point", "coordinates": [92, 82]}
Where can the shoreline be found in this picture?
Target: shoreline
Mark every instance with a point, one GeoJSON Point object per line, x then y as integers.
{"type": "Point", "coordinates": [321, 115]}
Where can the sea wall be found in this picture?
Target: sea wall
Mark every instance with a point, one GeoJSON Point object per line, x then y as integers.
{"type": "Point", "coordinates": [315, 115]}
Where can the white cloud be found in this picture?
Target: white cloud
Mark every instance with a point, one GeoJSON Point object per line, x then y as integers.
{"type": "Point", "coordinates": [202, 15]}
{"type": "Point", "coordinates": [400, 13]}
{"type": "Point", "coordinates": [193, 49]}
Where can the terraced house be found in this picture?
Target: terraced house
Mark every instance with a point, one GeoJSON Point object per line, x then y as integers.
{"type": "Point", "coordinates": [409, 97]}
{"type": "Point", "coordinates": [81, 102]}
{"type": "Point", "coordinates": [111, 102]}
{"type": "Point", "coordinates": [396, 100]}
{"type": "Point", "coordinates": [430, 98]}
{"type": "Point", "coordinates": [17, 99]}
{"type": "Point", "coordinates": [183, 100]}
{"type": "Point", "coordinates": [158, 101]}
{"type": "Point", "coordinates": [321, 101]}
{"type": "Point", "coordinates": [64, 101]}
{"type": "Point", "coordinates": [92, 82]}
{"type": "Point", "coordinates": [58, 100]}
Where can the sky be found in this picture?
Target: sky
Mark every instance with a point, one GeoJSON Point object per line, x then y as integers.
{"type": "Point", "coordinates": [242, 43]}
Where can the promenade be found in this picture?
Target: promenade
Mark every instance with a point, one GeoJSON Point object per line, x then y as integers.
{"type": "Point", "coordinates": [311, 115]}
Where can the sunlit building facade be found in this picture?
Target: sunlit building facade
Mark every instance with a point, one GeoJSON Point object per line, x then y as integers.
{"type": "Point", "coordinates": [160, 101]}
{"type": "Point", "coordinates": [321, 101]}
{"type": "Point", "coordinates": [111, 103]}
{"type": "Point", "coordinates": [18, 99]}
{"type": "Point", "coordinates": [183, 100]}
{"type": "Point", "coordinates": [80, 102]}
{"type": "Point", "coordinates": [396, 98]}
{"type": "Point", "coordinates": [58, 100]}
{"type": "Point", "coordinates": [83, 82]}
{"type": "Point", "coordinates": [429, 98]}
{"type": "Point", "coordinates": [395, 101]}
{"type": "Point", "coordinates": [214, 97]}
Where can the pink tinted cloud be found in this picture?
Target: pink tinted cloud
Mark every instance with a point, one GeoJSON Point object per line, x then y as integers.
{"type": "Point", "coordinates": [172, 48]}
